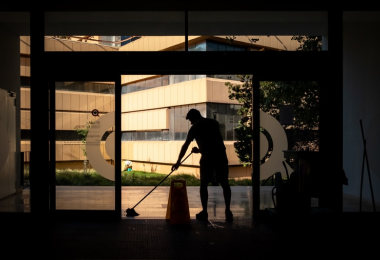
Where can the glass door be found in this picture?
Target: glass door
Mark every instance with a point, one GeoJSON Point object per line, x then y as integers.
{"type": "Point", "coordinates": [289, 145]}
{"type": "Point", "coordinates": [84, 146]}
{"type": "Point", "coordinates": [153, 130]}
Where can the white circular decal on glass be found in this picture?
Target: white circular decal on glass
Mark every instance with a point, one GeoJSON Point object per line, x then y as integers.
{"type": "Point", "coordinates": [272, 138]}
{"type": "Point", "coordinates": [94, 154]}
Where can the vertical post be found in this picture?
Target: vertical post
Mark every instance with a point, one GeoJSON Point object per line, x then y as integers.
{"type": "Point", "coordinates": [52, 173]}
{"type": "Point", "coordinates": [22, 170]}
{"type": "Point", "coordinates": [214, 182]}
{"type": "Point", "coordinates": [39, 117]}
{"type": "Point", "coordinates": [118, 187]}
{"type": "Point", "coordinates": [186, 30]}
{"type": "Point", "coordinates": [331, 124]}
{"type": "Point", "coordinates": [256, 146]}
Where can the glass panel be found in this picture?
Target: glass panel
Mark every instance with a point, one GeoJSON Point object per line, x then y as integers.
{"type": "Point", "coordinates": [140, 135]}
{"type": "Point", "coordinates": [212, 110]}
{"type": "Point", "coordinates": [211, 46]}
{"type": "Point", "coordinates": [198, 46]}
{"type": "Point", "coordinates": [184, 122]}
{"type": "Point", "coordinates": [259, 43]}
{"type": "Point", "coordinates": [85, 146]}
{"type": "Point", "coordinates": [177, 123]}
{"type": "Point", "coordinates": [202, 109]}
{"type": "Point", "coordinates": [165, 80]}
{"type": "Point", "coordinates": [229, 127]}
{"type": "Point", "coordinates": [289, 142]}
{"type": "Point", "coordinates": [165, 135]}
{"type": "Point", "coordinates": [126, 136]}
{"type": "Point", "coordinates": [257, 31]}
{"type": "Point", "coordinates": [156, 120]}
{"type": "Point", "coordinates": [171, 124]}
{"type": "Point", "coordinates": [115, 31]}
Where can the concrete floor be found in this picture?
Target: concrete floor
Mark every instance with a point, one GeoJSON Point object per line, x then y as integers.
{"type": "Point", "coordinates": [154, 206]}
{"type": "Point", "coordinates": [151, 236]}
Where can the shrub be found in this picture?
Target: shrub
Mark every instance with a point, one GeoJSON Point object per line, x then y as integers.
{"type": "Point", "coordinates": [70, 177]}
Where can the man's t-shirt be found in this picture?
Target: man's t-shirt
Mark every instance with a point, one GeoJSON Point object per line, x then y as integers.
{"type": "Point", "coordinates": [206, 133]}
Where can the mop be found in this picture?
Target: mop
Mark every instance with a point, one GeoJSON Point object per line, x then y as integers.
{"type": "Point", "coordinates": [131, 211]}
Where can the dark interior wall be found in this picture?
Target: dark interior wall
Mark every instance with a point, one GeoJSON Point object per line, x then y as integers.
{"type": "Point", "coordinates": [10, 76]}
{"type": "Point", "coordinates": [10, 60]}
{"type": "Point", "coordinates": [361, 101]}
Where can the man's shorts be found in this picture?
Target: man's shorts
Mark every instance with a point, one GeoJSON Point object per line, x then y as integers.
{"type": "Point", "coordinates": [217, 166]}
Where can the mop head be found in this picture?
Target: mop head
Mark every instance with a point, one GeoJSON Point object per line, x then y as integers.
{"type": "Point", "coordinates": [131, 213]}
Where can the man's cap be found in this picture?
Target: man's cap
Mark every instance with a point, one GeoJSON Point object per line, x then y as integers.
{"type": "Point", "coordinates": [193, 113]}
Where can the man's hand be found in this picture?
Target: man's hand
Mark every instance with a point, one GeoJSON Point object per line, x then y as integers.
{"type": "Point", "coordinates": [175, 166]}
{"type": "Point", "coordinates": [195, 150]}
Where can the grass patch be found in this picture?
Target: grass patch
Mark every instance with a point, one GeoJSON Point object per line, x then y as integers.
{"type": "Point", "coordinates": [240, 182]}
{"type": "Point", "coordinates": [68, 177]}
{"type": "Point", "coordinates": [137, 178]}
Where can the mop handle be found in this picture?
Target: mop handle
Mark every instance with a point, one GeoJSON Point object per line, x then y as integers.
{"type": "Point", "coordinates": [160, 182]}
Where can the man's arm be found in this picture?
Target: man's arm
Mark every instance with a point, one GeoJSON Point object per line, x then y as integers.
{"type": "Point", "coordinates": [181, 154]}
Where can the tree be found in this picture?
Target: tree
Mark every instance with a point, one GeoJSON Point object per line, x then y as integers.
{"type": "Point", "coordinates": [303, 96]}
{"type": "Point", "coordinates": [244, 134]}
{"type": "Point", "coordinates": [83, 132]}
{"type": "Point", "coordinates": [308, 43]}
{"type": "Point", "coordinates": [62, 37]}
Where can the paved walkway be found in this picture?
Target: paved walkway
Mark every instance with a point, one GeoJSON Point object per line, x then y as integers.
{"type": "Point", "coordinates": [155, 204]}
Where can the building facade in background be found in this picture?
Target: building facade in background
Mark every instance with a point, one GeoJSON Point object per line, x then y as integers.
{"type": "Point", "coordinates": [153, 106]}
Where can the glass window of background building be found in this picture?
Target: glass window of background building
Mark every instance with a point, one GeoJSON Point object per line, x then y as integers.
{"type": "Point", "coordinates": [165, 80]}
{"type": "Point", "coordinates": [225, 114]}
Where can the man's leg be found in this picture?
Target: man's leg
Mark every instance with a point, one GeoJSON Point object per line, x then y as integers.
{"type": "Point", "coordinates": [204, 195]}
{"type": "Point", "coordinates": [227, 200]}
{"type": "Point", "coordinates": [226, 194]}
{"type": "Point", "coordinates": [203, 192]}
{"type": "Point", "coordinates": [226, 191]}
{"type": "Point", "coordinates": [203, 215]}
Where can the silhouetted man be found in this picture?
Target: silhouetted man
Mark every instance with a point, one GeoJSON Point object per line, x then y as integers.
{"type": "Point", "coordinates": [210, 143]}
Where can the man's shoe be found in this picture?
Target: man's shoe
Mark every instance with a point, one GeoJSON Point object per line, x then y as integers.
{"type": "Point", "coordinates": [229, 216]}
{"type": "Point", "coordinates": [202, 215]}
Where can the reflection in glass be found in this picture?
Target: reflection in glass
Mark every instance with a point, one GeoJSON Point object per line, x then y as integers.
{"type": "Point", "coordinates": [80, 182]}
{"type": "Point", "coordinates": [288, 122]}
